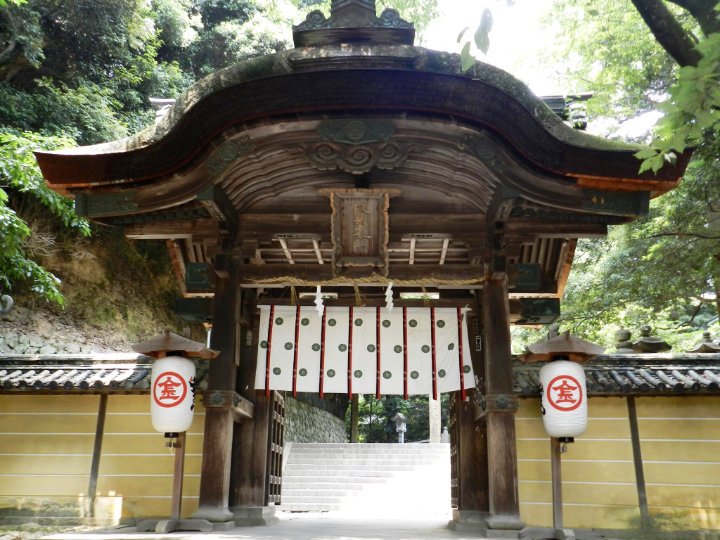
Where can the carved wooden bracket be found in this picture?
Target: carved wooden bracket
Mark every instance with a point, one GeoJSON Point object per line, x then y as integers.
{"type": "Point", "coordinates": [242, 408]}
{"type": "Point", "coordinates": [506, 403]}
{"type": "Point", "coordinates": [359, 228]}
{"type": "Point", "coordinates": [356, 158]}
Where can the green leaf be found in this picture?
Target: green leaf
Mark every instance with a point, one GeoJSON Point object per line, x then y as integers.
{"type": "Point", "coordinates": [645, 153]}
{"type": "Point", "coordinates": [467, 60]}
{"type": "Point", "coordinates": [482, 34]}
{"type": "Point", "coordinates": [462, 33]}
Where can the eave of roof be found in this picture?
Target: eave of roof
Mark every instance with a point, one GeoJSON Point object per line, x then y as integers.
{"type": "Point", "coordinates": [355, 78]}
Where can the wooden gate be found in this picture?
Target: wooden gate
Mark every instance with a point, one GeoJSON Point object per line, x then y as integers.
{"type": "Point", "coordinates": [273, 486]}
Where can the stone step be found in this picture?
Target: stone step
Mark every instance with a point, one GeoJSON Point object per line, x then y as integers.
{"type": "Point", "coordinates": [370, 478]}
{"type": "Point", "coordinates": [309, 507]}
{"type": "Point", "coordinates": [361, 461]}
{"type": "Point", "coordinates": [371, 448]}
{"type": "Point", "coordinates": [345, 467]}
{"type": "Point", "coordinates": [324, 482]}
{"type": "Point", "coordinates": [365, 473]}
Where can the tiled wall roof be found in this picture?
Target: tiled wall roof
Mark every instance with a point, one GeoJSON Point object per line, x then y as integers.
{"type": "Point", "coordinates": [636, 374]}
{"type": "Point", "coordinates": [618, 374]}
{"type": "Point", "coordinates": [71, 373]}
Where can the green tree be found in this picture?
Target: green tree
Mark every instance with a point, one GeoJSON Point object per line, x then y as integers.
{"type": "Point", "coordinates": [663, 269]}
{"type": "Point", "coordinates": [376, 423]}
{"type": "Point", "coordinates": [22, 181]}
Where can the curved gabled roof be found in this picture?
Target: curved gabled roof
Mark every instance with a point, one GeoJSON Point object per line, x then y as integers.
{"type": "Point", "coordinates": [251, 152]}
{"type": "Point", "coordinates": [352, 79]}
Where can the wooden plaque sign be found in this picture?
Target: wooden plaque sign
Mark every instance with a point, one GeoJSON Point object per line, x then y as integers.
{"type": "Point", "coordinates": [359, 228]}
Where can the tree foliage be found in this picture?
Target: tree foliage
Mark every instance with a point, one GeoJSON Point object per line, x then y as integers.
{"type": "Point", "coordinates": [83, 70]}
{"type": "Point", "coordinates": [21, 178]}
{"type": "Point", "coordinates": [375, 418]}
{"type": "Point", "coordinates": [664, 269]}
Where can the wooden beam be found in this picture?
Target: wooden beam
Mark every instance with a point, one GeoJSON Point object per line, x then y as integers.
{"type": "Point", "coordinates": [564, 273]}
{"type": "Point", "coordinates": [554, 229]}
{"type": "Point", "coordinates": [174, 229]}
{"type": "Point", "coordinates": [318, 254]}
{"type": "Point", "coordinates": [400, 224]}
{"type": "Point", "coordinates": [370, 302]}
{"type": "Point", "coordinates": [219, 206]}
{"type": "Point", "coordinates": [178, 263]}
{"type": "Point", "coordinates": [318, 274]}
{"type": "Point", "coordinates": [288, 255]}
{"type": "Point", "coordinates": [443, 252]}
{"type": "Point", "coordinates": [244, 410]}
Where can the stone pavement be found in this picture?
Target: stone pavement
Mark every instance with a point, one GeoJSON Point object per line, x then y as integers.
{"type": "Point", "coordinates": [311, 526]}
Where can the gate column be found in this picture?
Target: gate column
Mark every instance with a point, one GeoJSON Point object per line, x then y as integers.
{"type": "Point", "coordinates": [220, 398]}
{"type": "Point", "coordinates": [500, 407]}
{"type": "Point", "coordinates": [469, 443]}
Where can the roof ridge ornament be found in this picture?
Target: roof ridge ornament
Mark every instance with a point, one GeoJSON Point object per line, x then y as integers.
{"type": "Point", "coordinates": [353, 21]}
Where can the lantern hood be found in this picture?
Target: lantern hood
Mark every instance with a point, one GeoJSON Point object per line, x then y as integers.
{"type": "Point", "coordinates": [565, 345]}
{"type": "Point", "coordinates": [169, 341]}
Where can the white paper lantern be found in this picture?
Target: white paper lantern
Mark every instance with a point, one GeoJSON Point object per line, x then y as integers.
{"type": "Point", "coordinates": [564, 398]}
{"type": "Point", "coordinates": [172, 396]}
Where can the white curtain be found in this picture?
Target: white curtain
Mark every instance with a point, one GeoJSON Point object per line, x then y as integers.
{"type": "Point", "coordinates": [351, 362]}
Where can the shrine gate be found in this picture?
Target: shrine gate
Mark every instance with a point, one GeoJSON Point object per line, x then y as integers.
{"type": "Point", "coordinates": [351, 162]}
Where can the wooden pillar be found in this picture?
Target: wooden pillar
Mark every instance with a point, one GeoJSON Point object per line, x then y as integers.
{"type": "Point", "coordinates": [471, 434]}
{"type": "Point", "coordinates": [97, 452]}
{"type": "Point", "coordinates": [472, 493]}
{"type": "Point", "coordinates": [645, 519]}
{"type": "Point", "coordinates": [249, 476]}
{"type": "Point", "coordinates": [556, 471]}
{"type": "Point", "coordinates": [500, 407]}
{"type": "Point", "coordinates": [217, 444]}
{"type": "Point", "coordinates": [354, 417]}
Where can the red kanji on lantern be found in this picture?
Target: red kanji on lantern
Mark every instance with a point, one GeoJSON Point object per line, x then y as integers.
{"type": "Point", "coordinates": [169, 389]}
{"type": "Point", "coordinates": [564, 393]}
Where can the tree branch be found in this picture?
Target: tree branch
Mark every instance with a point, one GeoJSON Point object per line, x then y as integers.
{"type": "Point", "coordinates": [686, 235]}
{"type": "Point", "coordinates": [668, 32]}
{"type": "Point", "coordinates": [704, 13]}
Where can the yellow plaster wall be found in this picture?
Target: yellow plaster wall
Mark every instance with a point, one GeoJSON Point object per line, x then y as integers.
{"type": "Point", "coordinates": [46, 445]}
{"type": "Point", "coordinates": [680, 443]}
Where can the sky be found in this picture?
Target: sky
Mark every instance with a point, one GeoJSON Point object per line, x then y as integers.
{"type": "Point", "coordinates": [515, 39]}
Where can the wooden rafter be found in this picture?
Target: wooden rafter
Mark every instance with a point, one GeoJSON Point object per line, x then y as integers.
{"type": "Point", "coordinates": [443, 253]}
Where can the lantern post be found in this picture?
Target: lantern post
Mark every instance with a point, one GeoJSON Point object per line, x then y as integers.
{"type": "Point", "coordinates": [172, 402]}
{"type": "Point", "coordinates": [563, 402]}
{"type": "Point", "coordinates": [400, 426]}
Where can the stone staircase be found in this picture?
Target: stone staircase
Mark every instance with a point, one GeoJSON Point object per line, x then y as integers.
{"type": "Point", "coordinates": [367, 479]}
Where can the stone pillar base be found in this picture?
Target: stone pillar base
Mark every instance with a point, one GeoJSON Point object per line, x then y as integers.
{"type": "Point", "coordinates": [469, 521]}
{"type": "Point", "coordinates": [214, 514]}
{"type": "Point", "coordinates": [544, 533]}
{"type": "Point", "coordinates": [504, 526]}
{"type": "Point", "coordinates": [164, 526]}
{"type": "Point", "coordinates": [254, 515]}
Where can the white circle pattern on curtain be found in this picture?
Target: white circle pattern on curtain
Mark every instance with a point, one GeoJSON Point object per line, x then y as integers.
{"type": "Point", "coordinates": [564, 398]}
{"type": "Point", "coordinates": [172, 396]}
